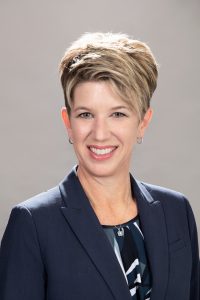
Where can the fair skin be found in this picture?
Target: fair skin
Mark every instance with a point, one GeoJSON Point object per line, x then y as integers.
{"type": "Point", "coordinates": [104, 131]}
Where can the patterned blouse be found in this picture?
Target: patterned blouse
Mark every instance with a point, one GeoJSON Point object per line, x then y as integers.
{"type": "Point", "coordinates": [128, 245]}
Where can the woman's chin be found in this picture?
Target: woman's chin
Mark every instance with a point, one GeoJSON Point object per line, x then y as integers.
{"type": "Point", "coordinates": [100, 170]}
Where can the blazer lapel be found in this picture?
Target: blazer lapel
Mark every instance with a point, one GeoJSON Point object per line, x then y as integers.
{"type": "Point", "coordinates": [80, 215]}
{"type": "Point", "coordinates": [155, 234]}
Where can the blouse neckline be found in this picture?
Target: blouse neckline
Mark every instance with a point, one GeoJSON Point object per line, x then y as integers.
{"type": "Point", "coordinates": [123, 224]}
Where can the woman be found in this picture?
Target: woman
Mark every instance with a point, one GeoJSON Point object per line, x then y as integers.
{"type": "Point", "coordinates": [101, 234]}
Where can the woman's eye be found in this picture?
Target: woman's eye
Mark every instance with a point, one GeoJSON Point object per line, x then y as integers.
{"type": "Point", "coordinates": [85, 115]}
{"type": "Point", "coordinates": [118, 114]}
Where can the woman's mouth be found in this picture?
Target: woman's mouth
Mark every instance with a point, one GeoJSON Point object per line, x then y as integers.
{"type": "Point", "coordinates": [101, 152]}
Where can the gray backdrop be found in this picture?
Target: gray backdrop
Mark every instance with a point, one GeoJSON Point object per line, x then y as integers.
{"type": "Point", "coordinates": [35, 154]}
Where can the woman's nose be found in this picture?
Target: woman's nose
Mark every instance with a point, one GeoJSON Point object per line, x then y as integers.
{"type": "Point", "coordinates": [101, 130]}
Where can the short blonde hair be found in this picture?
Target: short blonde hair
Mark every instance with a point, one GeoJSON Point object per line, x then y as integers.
{"type": "Point", "coordinates": [127, 64]}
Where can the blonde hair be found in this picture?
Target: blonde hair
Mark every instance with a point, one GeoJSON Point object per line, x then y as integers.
{"type": "Point", "coordinates": [127, 64]}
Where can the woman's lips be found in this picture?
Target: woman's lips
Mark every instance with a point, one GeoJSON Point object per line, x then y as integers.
{"type": "Point", "coordinates": [101, 152]}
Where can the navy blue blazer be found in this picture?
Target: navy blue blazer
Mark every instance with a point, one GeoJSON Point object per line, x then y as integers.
{"type": "Point", "coordinates": [54, 247]}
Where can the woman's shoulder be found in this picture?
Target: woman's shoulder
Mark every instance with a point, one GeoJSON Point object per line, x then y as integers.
{"type": "Point", "coordinates": [42, 201]}
{"type": "Point", "coordinates": [163, 192]}
{"type": "Point", "coordinates": [176, 206]}
{"type": "Point", "coordinates": [173, 202]}
{"type": "Point", "coordinates": [169, 198]}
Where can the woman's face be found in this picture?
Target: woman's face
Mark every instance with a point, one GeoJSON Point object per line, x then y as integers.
{"type": "Point", "coordinates": [103, 129]}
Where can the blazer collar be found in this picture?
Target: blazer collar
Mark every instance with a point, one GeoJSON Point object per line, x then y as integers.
{"type": "Point", "coordinates": [80, 215]}
{"type": "Point", "coordinates": [153, 225]}
{"type": "Point", "coordinates": [82, 219]}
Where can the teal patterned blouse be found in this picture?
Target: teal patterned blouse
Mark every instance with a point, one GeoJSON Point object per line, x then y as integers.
{"type": "Point", "coordinates": [128, 245]}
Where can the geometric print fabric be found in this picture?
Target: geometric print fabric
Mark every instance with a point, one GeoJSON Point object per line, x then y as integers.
{"type": "Point", "coordinates": [131, 254]}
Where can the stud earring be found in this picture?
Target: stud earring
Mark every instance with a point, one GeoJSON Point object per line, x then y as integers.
{"type": "Point", "coordinates": [139, 139]}
{"type": "Point", "coordinates": [70, 141]}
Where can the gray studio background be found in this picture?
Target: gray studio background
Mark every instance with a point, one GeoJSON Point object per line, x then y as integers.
{"type": "Point", "coordinates": [34, 150]}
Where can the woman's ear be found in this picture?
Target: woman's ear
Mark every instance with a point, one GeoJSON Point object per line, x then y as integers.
{"type": "Point", "coordinates": [66, 120]}
{"type": "Point", "coordinates": [144, 123]}
{"type": "Point", "coordinates": [65, 117]}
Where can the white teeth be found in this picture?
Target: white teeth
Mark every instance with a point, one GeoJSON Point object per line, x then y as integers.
{"type": "Point", "coordinates": [101, 151]}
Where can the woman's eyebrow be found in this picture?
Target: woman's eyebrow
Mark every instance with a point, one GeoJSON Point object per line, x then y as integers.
{"type": "Point", "coordinates": [120, 107]}
{"type": "Point", "coordinates": [112, 108]}
{"type": "Point", "coordinates": [81, 108]}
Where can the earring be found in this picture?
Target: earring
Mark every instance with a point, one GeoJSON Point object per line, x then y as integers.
{"type": "Point", "coordinates": [139, 139]}
{"type": "Point", "coordinates": [70, 141]}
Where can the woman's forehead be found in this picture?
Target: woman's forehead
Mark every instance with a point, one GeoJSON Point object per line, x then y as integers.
{"type": "Point", "coordinates": [96, 93]}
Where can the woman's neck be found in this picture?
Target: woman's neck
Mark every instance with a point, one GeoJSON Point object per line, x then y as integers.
{"type": "Point", "coordinates": [109, 196]}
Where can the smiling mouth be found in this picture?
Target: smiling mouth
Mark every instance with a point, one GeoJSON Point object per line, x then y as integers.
{"type": "Point", "coordinates": [102, 151]}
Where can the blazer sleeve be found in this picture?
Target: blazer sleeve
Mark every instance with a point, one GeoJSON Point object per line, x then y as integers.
{"type": "Point", "coordinates": [22, 274]}
{"type": "Point", "coordinates": [195, 279]}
